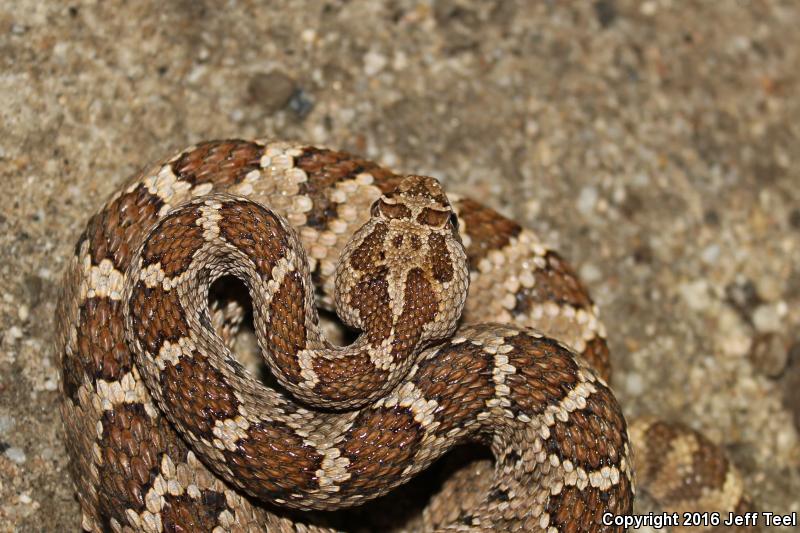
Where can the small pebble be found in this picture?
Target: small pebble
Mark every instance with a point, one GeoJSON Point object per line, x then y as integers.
{"type": "Point", "coordinates": [301, 103]}
{"type": "Point", "coordinates": [634, 384]}
{"type": "Point", "coordinates": [743, 295]}
{"type": "Point", "coordinates": [769, 355]}
{"type": "Point", "coordinates": [710, 254]}
{"type": "Point", "coordinates": [587, 199]}
{"type": "Point", "coordinates": [590, 273]}
{"type": "Point", "coordinates": [374, 62]}
{"type": "Point", "coordinates": [16, 454]}
{"type": "Point", "coordinates": [767, 317]}
{"type": "Point", "coordinates": [14, 333]}
{"type": "Point", "coordinates": [6, 423]}
{"type": "Point", "coordinates": [696, 294]}
{"type": "Point", "coordinates": [271, 91]}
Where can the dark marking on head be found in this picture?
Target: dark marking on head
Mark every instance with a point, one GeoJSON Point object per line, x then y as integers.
{"type": "Point", "coordinates": [370, 297]}
{"type": "Point", "coordinates": [419, 308]}
{"type": "Point", "coordinates": [367, 256]}
{"type": "Point", "coordinates": [441, 260]}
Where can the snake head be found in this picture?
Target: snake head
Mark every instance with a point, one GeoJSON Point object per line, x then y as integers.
{"type": "Point", "coordinates": [418, 200]}
{"type": "Point", "coordinates": [407, 265]}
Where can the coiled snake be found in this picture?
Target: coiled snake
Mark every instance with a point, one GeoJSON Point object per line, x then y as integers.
{"type": "Point", "coordinates": [167, 431]}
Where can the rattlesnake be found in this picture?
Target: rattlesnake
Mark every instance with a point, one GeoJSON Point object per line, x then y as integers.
{"type": "Point", "coordinates": [342, 425]}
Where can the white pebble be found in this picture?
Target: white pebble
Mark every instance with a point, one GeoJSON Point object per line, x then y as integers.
{"type": "Point", "coordinates": [634, 384]}
{"type": "Point", "coordinates": [767, 318]}
{"type": "Point", "coordinates": [696, 294]}
{"type": "Point", "coordinates": [16, 454]}
{"type": "Point", "coordinates": [590, 273]}
{"type": "Point", "coordinates": [587, 199]}
{"type": "Point", "coordinates": [374, 62]}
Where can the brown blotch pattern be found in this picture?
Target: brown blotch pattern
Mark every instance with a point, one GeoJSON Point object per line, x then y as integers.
{"type": "Point", "coordinates": [596, 352]}
{"type": "Point", "coordinates": [708, 469]}
{"type": "Point", "coordinates": [370, 297]}
{"type": "Point", "coordinates": [369, 254]}
{"type": "Point", "coordinates": [545, 374]}
{"type": "Point", "coordinates": [286, 334]}
{"type": "Point", "coordinates": [381, 442]}
{"type": "Point", "coordinates": [133, 444]}
{"type": "Point", "coordinates": [342, 380]}
{"type": "Point", "coordinates": [581, 511]}
{"type": "Point", "coordinates": [174, 242]}
{"type": "Point", "coordinates": [659, 438]}
{"type": "Point", "coordinates": [557, 282]}
{"type": "Point", "coordinates": [255, 231]}
{"type": "Point", "coordinates": [116, 231]}
{"type": "Point", "coordinates": [222, 163]}
{"type": "Point", "coordinates": [275, 446]}
{"type": "Point", "coordinates": [157, 316]}
{"type": "Point", "coordinates": [326, 168]}
{"type": "Point", "coordinates": [379, 445]}
{"type": "Point", "coordinates": [198, 394]}
{"type": "Point", "coordinates": [441, 261]}
{"type": "Point", "coordinates": [419, 308]}
{"type": "Point", "coordinates": [72, 374]}
{"type": "Point", "coordinates": [101, 348]}
{"type": "Point", "coordinates": [459, 379]}
{"type": "Point", "coordinates": [592, 437]}
{"type": "Point", "coordinates": [182, 514]}
{"type": "Point", "coordinates": [488, 230]}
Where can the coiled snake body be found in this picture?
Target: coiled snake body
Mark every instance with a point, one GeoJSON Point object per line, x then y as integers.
{"type": "Point", "coordinates": [167, 431]}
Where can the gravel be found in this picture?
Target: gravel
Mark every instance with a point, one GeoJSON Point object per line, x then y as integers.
{"type": "Point", "coordinates": [654, 143]}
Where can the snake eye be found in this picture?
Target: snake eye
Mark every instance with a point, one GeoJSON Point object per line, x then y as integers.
{"type": "Point", "coordinates": [454, 221]}
{"type": "Point", "coordinates": [373, 210]}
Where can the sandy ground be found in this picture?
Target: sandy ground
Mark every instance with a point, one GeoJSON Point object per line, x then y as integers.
{"type": "Point", "coordinates": [655, 143]}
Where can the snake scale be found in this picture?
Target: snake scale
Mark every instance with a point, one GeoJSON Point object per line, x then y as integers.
{"type": "Point", "coordinates": [167, 431]}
